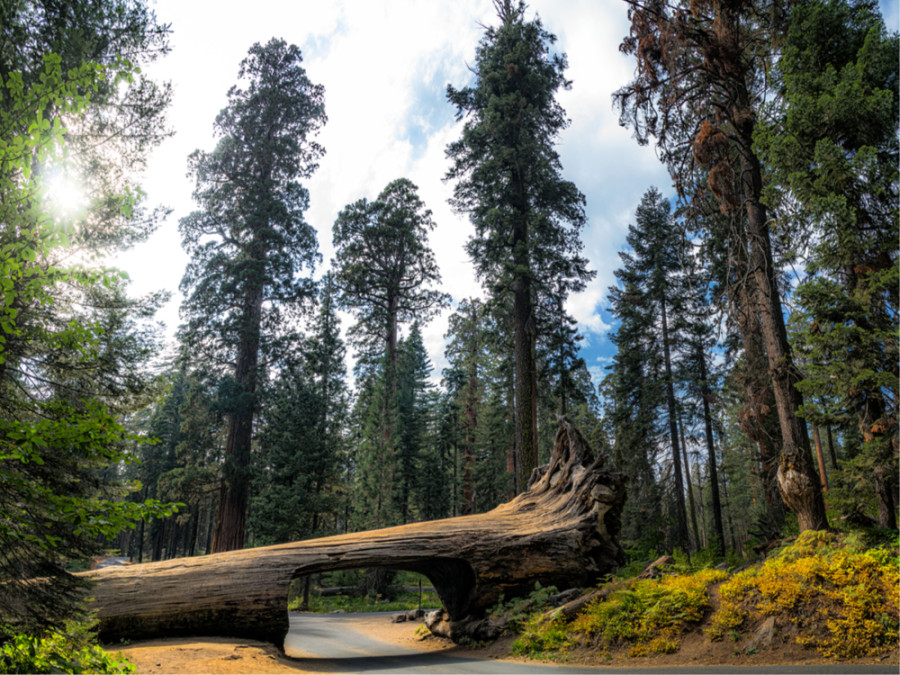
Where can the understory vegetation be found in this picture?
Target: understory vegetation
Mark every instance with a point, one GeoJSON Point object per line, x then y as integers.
{"type": "Point", "coordinates": [404, 591]}
{"type": "Point", "coordinates": [834, 593]}
{"type": "Point", "coordinates": [70, 649]}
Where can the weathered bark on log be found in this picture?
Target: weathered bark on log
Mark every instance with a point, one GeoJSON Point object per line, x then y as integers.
{"type": "Point", "coordinates": [563, 531]}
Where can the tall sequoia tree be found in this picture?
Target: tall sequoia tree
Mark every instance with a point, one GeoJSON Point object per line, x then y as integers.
{"type": "Point", "coordinates": [384, 267]}
{"type": "Point", "coordinates": [385, 272]}
{"type": "Point", "coordinates": [249, 242]}
{"type": "Point", "coordinates": [832, 149]}
{"type": "Point", "coordinates": [527, 218]}
{"type": "Point", "coordinates": [700, 65]}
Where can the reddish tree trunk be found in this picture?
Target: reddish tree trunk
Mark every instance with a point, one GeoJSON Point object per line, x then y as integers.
{"type": "Point", "coordinates": [796, 475]}
{"type": "Point", "coordinates": [234, 495]}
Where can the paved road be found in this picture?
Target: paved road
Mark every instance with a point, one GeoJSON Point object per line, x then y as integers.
{"type": "Point", "coordinates": [328, 643]}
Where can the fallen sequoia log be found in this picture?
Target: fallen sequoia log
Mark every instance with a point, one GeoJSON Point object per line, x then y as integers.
{"type": "Point", "coordinates": [562, 531]}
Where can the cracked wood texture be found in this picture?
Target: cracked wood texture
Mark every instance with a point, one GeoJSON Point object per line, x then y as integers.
{"type": "Point", "coordinates": [563, 531]}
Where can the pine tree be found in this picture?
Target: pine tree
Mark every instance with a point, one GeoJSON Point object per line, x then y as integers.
{"type": "Point", "coordinates": [650, 274]}
{"type": "Point", "coordinates": [527, 218]}
{"type": "Point", "coordinates": [412, 418]}
{"type": "Point", "coordinates": [700, 65]}
{"type": "Point", "coordinates": [464, 340]}
{"type": "Point", "coordinates": [385, 273]}
{"type": "Point", "coordinates": [634, 395]}
{"type": "Point", "coordinates": [833, 152]}
{"type": "Point", "coordinates": [695, 326]}
{"type": "Point", "coordinates": [249, 243]}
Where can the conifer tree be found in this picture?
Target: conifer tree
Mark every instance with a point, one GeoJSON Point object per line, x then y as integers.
{"type": "Point", "coordinates": [249, 243]}
{"type": "Point", "coordinates": [465, 338]}
{"type": "Point", "coordinates": [696, 89]}
{"type": "Point", "coordinates": [385, 273]}
{"type": "Point", "coordinates": [832, 149]}
{"type": "Point", "coordinates": [650, 274]}
{"type": "Point", "coordinates": [527, 218]}
{"type": "Point", "coordinates": [385, 269]}
{"type": "Point", "coordinates": [412, 418]}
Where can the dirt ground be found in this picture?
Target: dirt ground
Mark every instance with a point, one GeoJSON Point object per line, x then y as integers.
{"type": "Point", "coordinates": [224, 655]}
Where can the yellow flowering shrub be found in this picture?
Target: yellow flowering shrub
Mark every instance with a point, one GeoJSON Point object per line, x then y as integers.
{"type": "Point", "coordinates": [820, 575]}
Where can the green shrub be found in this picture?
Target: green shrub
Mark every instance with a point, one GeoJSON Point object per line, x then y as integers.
{"type": "Point", "coordinates": [70, 650]}
{"type": "Point", "coordinates": [829, 578]}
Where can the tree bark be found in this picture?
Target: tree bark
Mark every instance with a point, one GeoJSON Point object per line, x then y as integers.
{"type": "Point", "coordinates": [563, 531]}
{"type": "Point", "coordinates": [756, 417]}
{"type": "Point", "coordinates": [711, 455]}
{"type": "Point", "coordinates": [796, 474]}
{"type": "Point", "coordinates": [525, 371]}
{"type": "Point", "coordinates": [234, 495]}
{"type": "Point", "coordinates": [681, 529]}
{"type": "Point", "coordinates": [823, 477]}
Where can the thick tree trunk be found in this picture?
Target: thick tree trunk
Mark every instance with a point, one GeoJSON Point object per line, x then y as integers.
{"type": "Point", "coordinates": [757, 415]}
{"type": "Point", "coordinates": [563, 531]}
{"type": "Point", "coordinates": [525, 371]}
{"type": "Point", "coordinates": [796, 475]}
{"type": "Point", "coordinates": [234, 495]}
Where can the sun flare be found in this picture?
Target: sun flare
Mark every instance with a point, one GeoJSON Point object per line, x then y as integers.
{"type": "Point", "coordinates": [65, 195]}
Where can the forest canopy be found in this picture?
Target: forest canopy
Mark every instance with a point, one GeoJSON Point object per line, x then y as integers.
{"type": "Point", "coordinates": [752, 390]}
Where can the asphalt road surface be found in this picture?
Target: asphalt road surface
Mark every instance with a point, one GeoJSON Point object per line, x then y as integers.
{"type": "Point", "coordinates": [328, 643]}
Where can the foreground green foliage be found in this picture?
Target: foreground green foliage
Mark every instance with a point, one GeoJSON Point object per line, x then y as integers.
{"type": "Point", "coordinates": [646, 615]}
{"type": "Point", "coordinates": [64, 342]}
{"type": "Point", "coordinates": [831, 592]}
{"type": "Point", "coordinates": [820, 575]}
{"type": "Point", "coordinates": [71, 649]}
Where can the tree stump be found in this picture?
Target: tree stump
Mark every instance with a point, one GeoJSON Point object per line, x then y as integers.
{"type": "Point", "coordinates": [563, 531]}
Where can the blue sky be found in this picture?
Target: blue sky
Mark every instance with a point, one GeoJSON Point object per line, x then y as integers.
{"type": "Point", "coordinates": [385, 65]}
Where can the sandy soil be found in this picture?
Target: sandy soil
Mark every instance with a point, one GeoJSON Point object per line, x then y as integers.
{"type": "Point", "coordinates": [228, 655]}
{"type": "Point", "coordinates": [224, 655]}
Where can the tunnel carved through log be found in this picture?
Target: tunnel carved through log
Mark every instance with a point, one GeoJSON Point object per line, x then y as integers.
{"type": "Point", "coordinates": [563, 531]}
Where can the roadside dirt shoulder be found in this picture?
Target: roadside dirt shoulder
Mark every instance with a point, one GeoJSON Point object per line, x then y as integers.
{"type": "Point", "coordinates": [187, 656]}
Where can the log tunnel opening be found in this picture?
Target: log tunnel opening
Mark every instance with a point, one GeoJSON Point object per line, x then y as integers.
{"type": "Point", "coordinates": [453, 578]}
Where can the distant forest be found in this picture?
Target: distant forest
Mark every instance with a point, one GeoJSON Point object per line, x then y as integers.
{"type": "Point", "coordinates": [754, 389]}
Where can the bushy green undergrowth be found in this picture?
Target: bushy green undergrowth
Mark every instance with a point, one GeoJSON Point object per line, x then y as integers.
{"type": "Point", "coordinates": [70, 650]}
{"type": "Point", "coordinates": [840, 596]}
{"type": "Point", "coordinates": [518, 611]}
{"type": "Point", "coordinates": [647, 614]}
{"type": "Point", "coordinates": [837, 593]}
